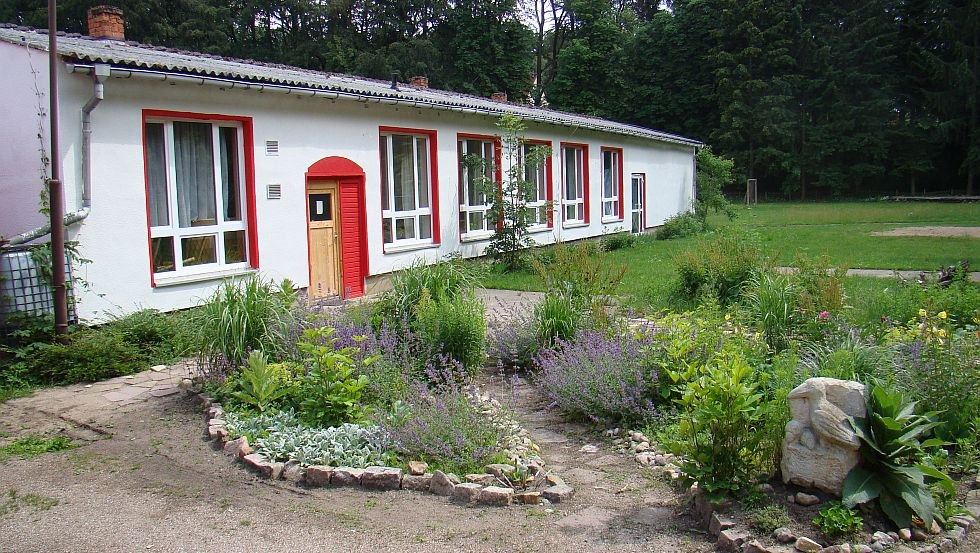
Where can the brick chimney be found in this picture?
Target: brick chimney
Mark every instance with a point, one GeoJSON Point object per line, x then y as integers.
{"type": "Point", "coordinates": [499, 96]}
{"type": "Point", "coordinates": [419, 82]}
{"type": "Point", "coordinates": [106, 22]}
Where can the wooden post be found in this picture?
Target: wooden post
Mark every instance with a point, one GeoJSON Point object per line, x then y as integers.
{"type": "Point", "coordinates": [751, 192]}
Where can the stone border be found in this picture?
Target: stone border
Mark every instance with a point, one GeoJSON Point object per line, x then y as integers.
{"type": "Point", "coordinates": [733, 538]}
{"type": "Point", "coordinates": [490, 489]}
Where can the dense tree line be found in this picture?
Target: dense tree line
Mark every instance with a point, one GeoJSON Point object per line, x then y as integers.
{"type": "Point", "coordinates": [838, 97]}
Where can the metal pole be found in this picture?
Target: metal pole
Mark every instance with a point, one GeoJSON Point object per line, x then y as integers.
{"type": "Point", "coordinates": [55, 188]}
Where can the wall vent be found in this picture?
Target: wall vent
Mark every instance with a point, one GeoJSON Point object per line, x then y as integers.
{"type": "Point", "coordinates": [273, 192]}
{"type": "Point", "coordinates": [271, 147]}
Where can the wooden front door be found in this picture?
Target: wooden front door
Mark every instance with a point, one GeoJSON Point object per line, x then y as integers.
{"type": "Point", "coordinates": [324, 236]}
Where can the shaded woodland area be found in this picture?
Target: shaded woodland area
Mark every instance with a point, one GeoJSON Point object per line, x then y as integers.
{"type": "Point", "coordinates": [815, 99]}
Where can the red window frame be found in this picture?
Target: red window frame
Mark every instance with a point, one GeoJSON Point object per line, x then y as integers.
{"type": "Point", "coordinates": [547, 175]}
{"type": "Point", "coordinates": [498, 172]}
{"type": "Point", "coordinates": [585, 176]}
{"type": "Point", "coordinates": [248, 149]}
{"type": "Point", "coordinates": [620, 152]}
{"type": "Point", "coordinates": [433, 180]}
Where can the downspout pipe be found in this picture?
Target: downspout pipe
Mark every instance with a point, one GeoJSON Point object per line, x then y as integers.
{"type": "Point", "coordinates": [100, 73]}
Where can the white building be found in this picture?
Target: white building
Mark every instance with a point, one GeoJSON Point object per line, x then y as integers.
{"type": "Point", "coordinates": [199, 168]}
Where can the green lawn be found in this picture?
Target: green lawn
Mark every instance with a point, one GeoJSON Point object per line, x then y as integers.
{"type": "Point", "coordinates": [840, 231]}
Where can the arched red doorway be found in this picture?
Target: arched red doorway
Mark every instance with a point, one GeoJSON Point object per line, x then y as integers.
{"type": "Point", "coordinates": [346, 217]}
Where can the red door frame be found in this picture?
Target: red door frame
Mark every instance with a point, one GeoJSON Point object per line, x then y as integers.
{"type": "Point", "coordinates": [351, 179]}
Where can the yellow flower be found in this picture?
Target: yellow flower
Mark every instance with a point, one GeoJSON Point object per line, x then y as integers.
{"type": "Point", "coordinates": [942, 315]}
{"type": "Point", "coordinates": [922, 313]}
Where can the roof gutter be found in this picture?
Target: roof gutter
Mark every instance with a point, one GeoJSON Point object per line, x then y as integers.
{"type": "Point", "coordinates": [232, 84]}
{"type": "Point", "coordinates": [99, 72]}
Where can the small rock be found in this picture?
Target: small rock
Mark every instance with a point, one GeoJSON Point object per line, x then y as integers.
{"type": "Point", "coordinates": [499, 470]}
{"type": "Point", "coordinates": [947, 544]}
{"type": "Point", "coordinates": [731, 539]}
{"type": "Point", "coordinates": [660, 460]}
{"type": "Point", "coordinates": [962, 520]}
{"type": "Point", "coordinates": [382, 478]}
{"type": "Point", "coordinates": [719, 523]}
{"type": "Point", "coordinates": [186, 384]}
{"type": "Point", "coordinates": [481, 479]}
{"type": "Point", "coordinates": [957, 534]}
{"type": "Point", "coordinates": [643, 458]}
{"type": "Point", "coordinates": [158, 368]}
{"type": "Point", "coordinates": [217, 432]}
{"type": "Point", "coordinates": [972, 502]}
{"type": "Point", "coordinates": [466, 493]}
{"type": "Point", "coordinates": [641, 447]}
{"type": "Point", "coordinates": [317, 476]}
{"type": "Point", "coordinates": [764, 488]}
{"type": "Point", "coordinates": [935, 528]}
{"type": "Point", "coordinates": [860, 548]}
{"type": "Point", "coordinates": [554, 480]}
{"type": "Point", "coordinates": [293, 472]}
{"type": "Point", "coordinates": [416, 482]}
{"type": "Point", "coordinates": [918, 534]}
{"type": "Point", "coordinates": [883, 538]}
{"type": "Point", "coordinates": [238, 448]}
{"type": "Point", "coordinates": [346, 476]}
{"type": "Point", "coordinates": [876, 546]}
{"type": "Point", "coordinates": [905, 534]}
{"type": "Point", "coordinates": [589, 448]}
{"type": "Point", "coordinates": [807, 500]}
{"type": "Point", "coordinates": [790, 499]}
{"type": "Point", "coordinates": [754, 546]}
{"type": "Point", "coordinates": [637, 437]}
{"type": "Point", "coordinates": [807, 545]}
{"type": "Point", "coordinates": [267, 468]}
{"type": "Point", "coordinates": [527, 498]}
{"type": "Point", "coordinates": [558, 493]}
{"type": "Point", "coordinates": [442, 484]}
{"type": "Point", "coordinates": [496, 495]}
{"type": "Point", "coordinates": [417, 468]}
{"type": "Point", "coordinates": [783, 535]}
{"type": "Point", "coordinates": [837, 549]}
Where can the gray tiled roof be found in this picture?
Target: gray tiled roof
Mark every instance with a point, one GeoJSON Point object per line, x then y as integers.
{"type": "Point", "coordinates": [140, 56]}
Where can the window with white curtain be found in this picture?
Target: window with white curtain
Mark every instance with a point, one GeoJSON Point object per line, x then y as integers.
{"type": "Point", "coordinates": [536, 176]}
{"type": "Point", "coordinates": [406, 188]}
{"type": "Point", "coordinates": [611, 177]}
{"type": "Point", "coordinates": [476, 169]}
{"type": "Point", "coordinates": [195, 181]}
{"type": "Point", "coordinates": [573, 185]}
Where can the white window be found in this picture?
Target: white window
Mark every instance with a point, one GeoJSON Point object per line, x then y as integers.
{"type": "Point", "coordinates": [194, 179]}
{"type": "Point", "coordinates": [476, 169]}
{"type": "Point", "coordinates": [611, 182]}
{"type": "Point", "coordinates": [536, 177]}
{"type": "Point", "coordinates": [574, 185]}
{"type": "Point", "coordinates": [406, 189]}
{"type": "Point", "coordinates": [638, 189]}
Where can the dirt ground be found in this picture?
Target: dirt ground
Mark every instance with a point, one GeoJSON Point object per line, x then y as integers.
{"type": "Point", "coordinates": [969, 232]}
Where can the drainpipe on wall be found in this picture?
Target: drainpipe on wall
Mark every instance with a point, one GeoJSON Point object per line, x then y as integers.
{"type": "Point", "coordinates": [99, 74]}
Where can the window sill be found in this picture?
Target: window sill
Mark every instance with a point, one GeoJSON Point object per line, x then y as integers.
{"type": "Point", "coordinates": [409, 248]}
{"type": "Point", "coordinates": [609, 219]}
{"type": "Point", "coordinates": [475, 237]}
{"type": "Point", "coordinates": [574, 224]}
{"type": "Point", "coordinates": [163, 281]}
{"type": "Point", "coordinates": [539, 230]}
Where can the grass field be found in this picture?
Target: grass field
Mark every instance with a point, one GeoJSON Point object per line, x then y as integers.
{"type": "Point", "coordinates": [839, 231]}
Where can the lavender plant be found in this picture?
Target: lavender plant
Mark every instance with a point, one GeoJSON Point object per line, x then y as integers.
{"type": "Point", "coordinates": [600, 378]}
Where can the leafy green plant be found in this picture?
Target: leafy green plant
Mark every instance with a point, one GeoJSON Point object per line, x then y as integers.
{"type": "Point", "coordinates": [331, 392]}
{"type": "Point", "coordinates": [161, 337]}
{"type": "Point", "coordinates": [617, 241]}
{"type": "Point", "coordinates": [837, 520]}
{"type": "Point", "coordinates": [767, 519]}
{"type": "Point", "coordinates": [258, 385]}
{"type": "Point", "coordinates": [770, 299]}
{"type": "Point", "coordinates": [721, 413]}
{"type": "Point", "coordinates": [680, 226]}
{"type": "Point", "coordinates": [33, 445]}
{"type": "Point", "coordinates": [89, 355]}
{"type": "Point", "coordinates": [892, 439]}
{"type": "Point", "coordinates": [556, 318]}
{"type": "Point", "coordinates": [585, 276]}
{"type": "Point", "coordinates": [258, 425]}
{"type": "Point", "coordinates": [347, 445]}
{"type": "Point", "coordinates": [250, 314]}
{"type": "Point", "coordinates": [446, 279]}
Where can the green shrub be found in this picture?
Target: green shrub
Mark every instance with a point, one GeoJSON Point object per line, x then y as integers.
{"type": "Point", "coordinates": [721, 414]}
{"type": "Point", "coordinates": [892, 439]}
{"type": "Point", "coordinates": [901, 302]}
{"type": "Point", "coordinates": [681, 225]}
{"type": "Point", "coordinates": [88, 356]}
{"type": "Point", "coordinates": [446, 279]}
{"type": "Point", "coordinates": [585, 276]}
{"type": "Point", "coordinates": [719, 265]}
{"type": "Point", "coordinates": [820, 287]}
{"type": "Point", "coordinates": [768, 518]}
{"type": "Point", "coordinates": [617, 241]}
{"type": "Point", "coordinates": [259, 385]}
{"type": "Point", "coordinates": [456, 326]}
{"type": "Point", "coordinates": [771, 300]}
{"type": "Point", "coordinates": [330, 393]}
{"type": "Point", "coordinates": [161, 337]}
{"type": "Point", "coordinates": [836, 520]}
{"type": "Point", "coordinates": [250, 314]}
{"type": "Point", "coordinates": [556, 318]}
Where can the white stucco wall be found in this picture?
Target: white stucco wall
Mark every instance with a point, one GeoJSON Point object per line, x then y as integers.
{"type": "Point", "coordinates": [23, 110]}
{"type": "Point", "coordinates": [114, 236]}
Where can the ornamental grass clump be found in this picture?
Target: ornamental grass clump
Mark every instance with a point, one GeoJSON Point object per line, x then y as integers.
{"type": "Point", "coordinates": [600, 378]}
